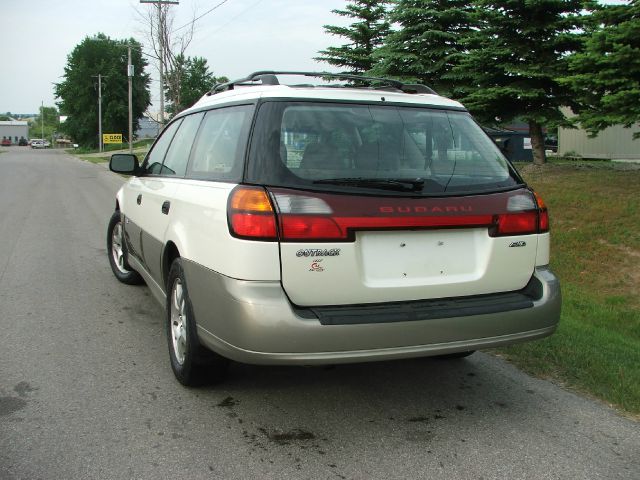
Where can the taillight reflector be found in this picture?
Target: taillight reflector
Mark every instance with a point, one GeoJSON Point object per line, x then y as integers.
{"type": "Point", "coordinates": [248, 225]}
{"type": "Point", "coordinates": [543, 225]}
{"type": "Point", "coordinates": [251, 215]}
{"type": "Point", "coordinates": [302, 227]}
{"type": "Point", "coordinates": [521, 223]}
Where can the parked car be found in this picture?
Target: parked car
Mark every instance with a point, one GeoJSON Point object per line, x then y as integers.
{"type": "Point", "coordinates": [23, 142]}
{"type": "Point", "coordinates": [6, 142]}
{"type": "Point", "coordinates": [309, 225]}
{"type": "Point", "coordinates": [39, 143]}
{"type": "Point", "coordinates": [551, 143]}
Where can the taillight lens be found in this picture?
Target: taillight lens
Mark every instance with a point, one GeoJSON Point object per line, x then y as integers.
{"type": "Point", "coordinates": [250, 214]}
{"type": "Point", "coordinates": [522, 223]}
{"type": "Point", "coordinates": [526, 214]}
{"type": "Point", "coordinates": [543, 225]}
{"type": "Point", "coordinates": [303, 227]}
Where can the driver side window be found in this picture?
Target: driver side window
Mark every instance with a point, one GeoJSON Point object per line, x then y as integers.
{"type": "Point", "coordinates": [153, 162]}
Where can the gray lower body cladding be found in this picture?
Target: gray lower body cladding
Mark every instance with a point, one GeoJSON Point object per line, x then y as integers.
{"type": "Point", "coordinates": [254, 322]}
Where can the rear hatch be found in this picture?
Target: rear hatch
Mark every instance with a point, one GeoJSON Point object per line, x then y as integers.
{"type": "Point", "coordinates": [377, 203]}
{"type": "Point", "coordinates": [345, 249]}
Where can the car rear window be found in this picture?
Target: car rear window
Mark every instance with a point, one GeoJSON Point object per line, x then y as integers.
{"type": "Point", "coordinates": [373, 147]}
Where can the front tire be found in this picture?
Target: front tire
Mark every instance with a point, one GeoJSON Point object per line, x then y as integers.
{"type": "Point", "coordinates": [192, 364]}
{"type": "Point", "coordinates": [116, 250]}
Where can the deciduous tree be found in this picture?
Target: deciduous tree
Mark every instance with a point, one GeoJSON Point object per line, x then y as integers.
{"type": "Point", "coordinates": [78, 92]}
{"type": "Point", "coordinates": [48, 120]}
{"type": "Point", "coordinates": [196, 80]}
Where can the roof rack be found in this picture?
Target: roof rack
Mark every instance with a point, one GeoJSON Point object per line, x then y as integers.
{"type": "Point", "coordinates": [269, 77]}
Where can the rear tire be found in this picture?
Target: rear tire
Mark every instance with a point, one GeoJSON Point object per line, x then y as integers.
{"type": "Point", "coordinates": [117, 252]}
{"type": "Point", "coordinates": [192, 364]}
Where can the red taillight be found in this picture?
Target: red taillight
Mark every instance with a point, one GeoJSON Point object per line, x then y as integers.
{"type": "Point", "coordinates": [251, 215]}
{"type": "Point", "coordinates": [543, 225]}
{"type": "Point", "coordinates": [521, 223]}
{"type": "Point", "coordinates": [303, 227]}
{"type": "Point", "coordinates": [248, 225]}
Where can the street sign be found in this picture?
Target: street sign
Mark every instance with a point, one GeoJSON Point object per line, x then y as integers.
{"type": "Point", "coordinates": [112, 138]}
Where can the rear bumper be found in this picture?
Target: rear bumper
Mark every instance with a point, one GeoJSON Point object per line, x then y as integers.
{"type": "Point", "coordinates": [254, 322]}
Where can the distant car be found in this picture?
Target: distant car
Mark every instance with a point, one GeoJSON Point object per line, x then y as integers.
{"type": "Point", "coordinates": [551, 143]}
{"type": "Point", "coordinates": [23, 142]}
{"type": "Point", "coordinates": [6, 142]}
{"type": "Point", "coordinates": [40, 144]}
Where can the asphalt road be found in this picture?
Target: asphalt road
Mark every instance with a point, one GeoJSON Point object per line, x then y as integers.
{"type": "Point", "coordinates": [86, 391]}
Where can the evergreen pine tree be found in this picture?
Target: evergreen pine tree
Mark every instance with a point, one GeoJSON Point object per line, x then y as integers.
{"type": "Point", "coordinates": [425, 46]}
{"type": "Point", "coordinates": [514, 59]}
{"type": "Point", "coordinates": [365, 34]}
{"type": "Point", "coordinates": [605, 76]}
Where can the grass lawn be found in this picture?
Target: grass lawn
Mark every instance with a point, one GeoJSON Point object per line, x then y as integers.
{"type": "Point", "coordinates": [138, 144]}
{"type": "Point", "coordinates": [595, 250]}
{"type": "Point", "coordinates": [95, 159]}
{"type": "Point", "coordinates": [140, 148]}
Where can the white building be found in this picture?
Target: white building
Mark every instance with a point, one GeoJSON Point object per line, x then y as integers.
{"type": "Point", "coordinates": [14, 130]}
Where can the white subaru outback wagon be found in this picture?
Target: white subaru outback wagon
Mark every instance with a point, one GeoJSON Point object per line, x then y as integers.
{"type": "Point", "coordinates": [349, 222]}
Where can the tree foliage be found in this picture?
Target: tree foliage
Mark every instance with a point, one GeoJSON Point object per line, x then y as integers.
{"type": "Point", "coordinates": [514, 59]}
{"type": "Point", "coordinates": [196, 80]}
{"type": "Point", "coordinates": [425, 46]}
{"type": "Point", "coordinates": [78, 92]}
{"type": "Point", "coordinates": [605, 76]}
{"type": "Point", "coordinates": [48, 118]}
{"type": "Point", "coordinates": [364, 35]}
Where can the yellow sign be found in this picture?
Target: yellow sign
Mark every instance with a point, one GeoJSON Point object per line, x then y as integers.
{"type": "Point", "coordinates": [111, 138]}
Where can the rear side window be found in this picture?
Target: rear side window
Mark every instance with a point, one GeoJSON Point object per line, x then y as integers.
{"type": "Point", "coordinates": [153, 162]}
{"type": "Point", "coordinates": [175, 162]}
{"type": "Point", "coordinates": [219, 148]}
{"type": "Point", "coordinates": [376, 147]}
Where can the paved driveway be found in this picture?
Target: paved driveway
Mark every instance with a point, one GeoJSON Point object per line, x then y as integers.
{"type": "Point", "coordinates": [86, 391]}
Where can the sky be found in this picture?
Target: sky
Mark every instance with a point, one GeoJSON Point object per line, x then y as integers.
{"type": "Point", "coordinates": [239, 37]}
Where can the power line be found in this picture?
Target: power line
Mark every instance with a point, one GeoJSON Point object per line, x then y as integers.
{"type": "Point", "coordinates": [250, 7]}
{"type": "Point", "coordinates": [205, 13]}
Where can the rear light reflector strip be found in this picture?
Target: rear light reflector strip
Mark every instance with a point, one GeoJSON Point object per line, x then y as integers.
{"type": "Point", "coordinates": [301, 217]}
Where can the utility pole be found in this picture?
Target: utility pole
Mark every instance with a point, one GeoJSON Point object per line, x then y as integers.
{"type": "Point", "coordinates": [99, 77]}
{"type": "Point", "coordinates": [42, 122]}
{"type": "Point", "coordinates": [100, 113]}
{"type": "Point", "coordinates": [159, 3]}
{"type": "Point", "coordinates": [130, 78]}
{"type": "Point", "coordinates": [161, 38]}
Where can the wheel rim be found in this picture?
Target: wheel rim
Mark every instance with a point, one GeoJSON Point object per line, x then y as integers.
{"type": "Point", "coordinates": [117, 251]}
{"type": "Point", "coordinates": [178, 321]}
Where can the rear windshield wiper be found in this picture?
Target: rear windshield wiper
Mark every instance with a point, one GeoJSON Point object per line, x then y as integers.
{"type": "Point", "coordinates": [399, 184]}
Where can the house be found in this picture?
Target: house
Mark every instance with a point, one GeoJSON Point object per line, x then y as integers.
{"type": "Point", "coordinates": [612, 143]}
{"type": "Point", "coordinates": [148, 126]}
{"type": "Point", "coordinates": [14, 130]}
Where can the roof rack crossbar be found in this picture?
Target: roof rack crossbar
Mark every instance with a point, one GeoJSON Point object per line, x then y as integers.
{"type": "Point", "coordinates": [269, 77]}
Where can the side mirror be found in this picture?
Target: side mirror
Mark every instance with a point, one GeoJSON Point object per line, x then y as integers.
{"type": "Point", "coordinates": [124, 163]}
